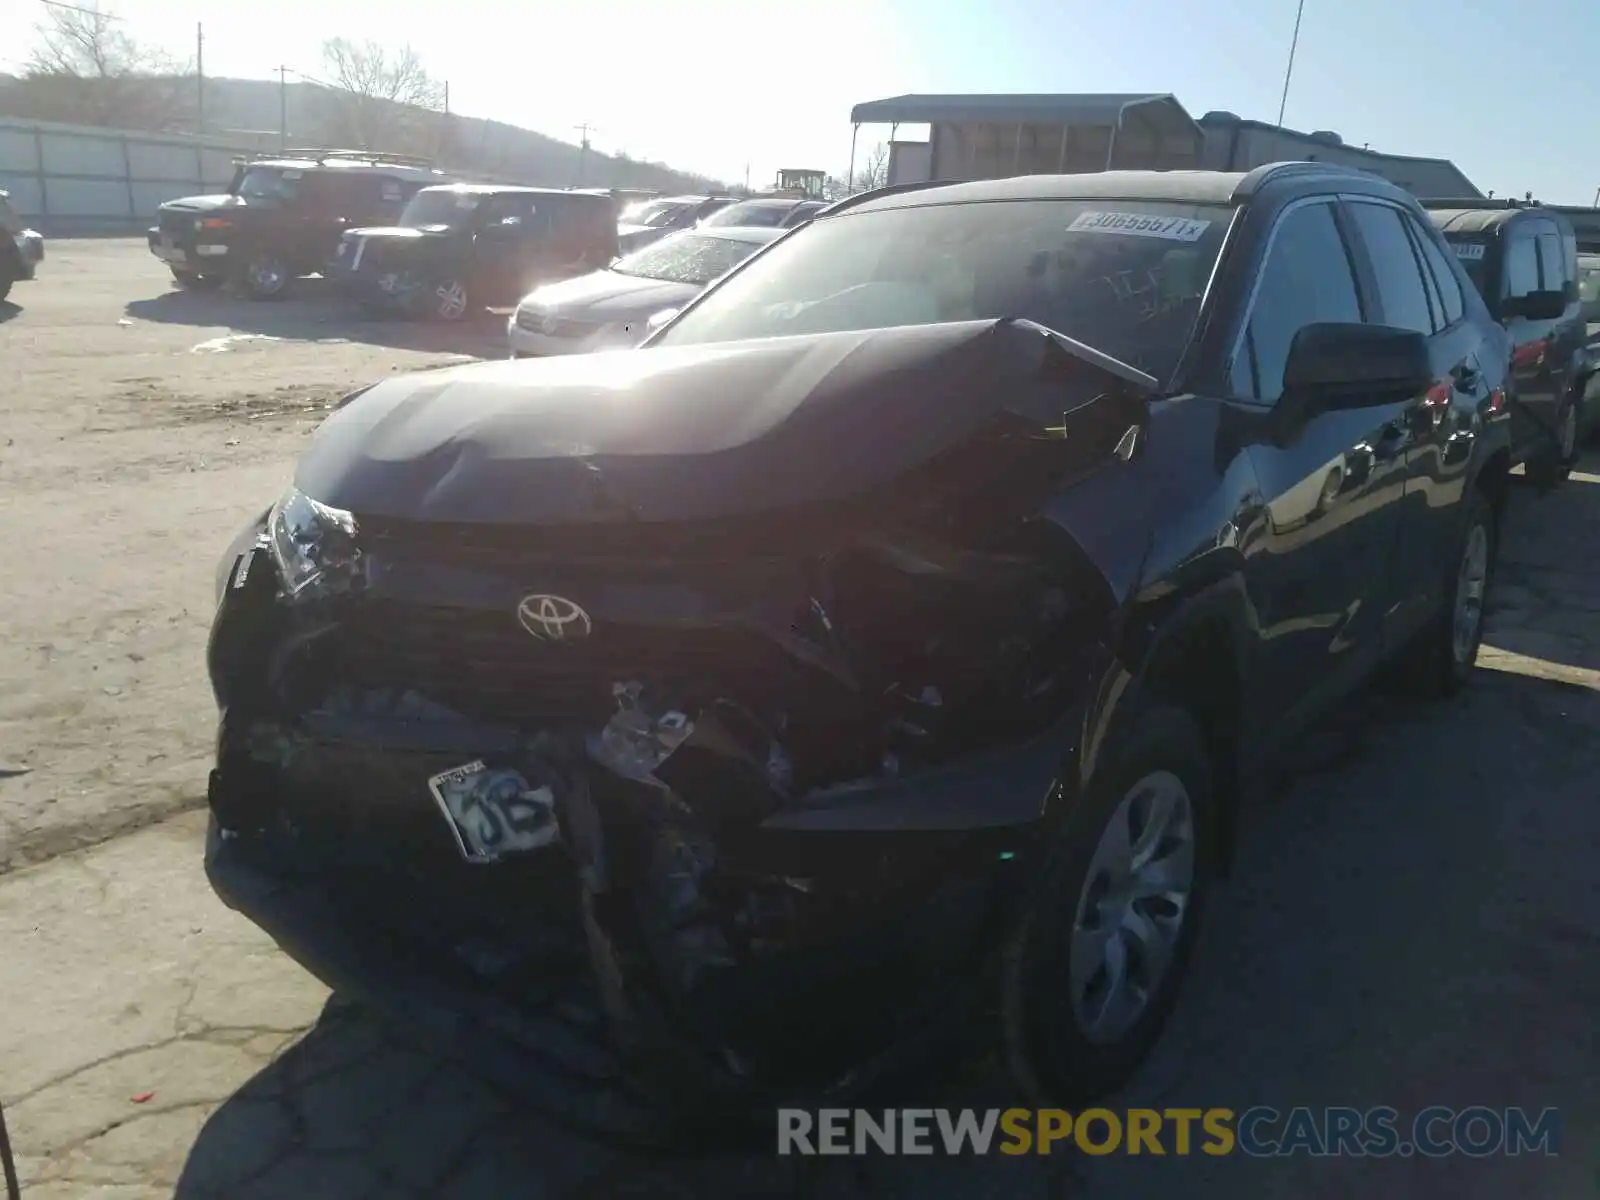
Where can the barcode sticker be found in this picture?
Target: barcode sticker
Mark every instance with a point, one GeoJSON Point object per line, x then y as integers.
{"type": "Point", "coordinates": [1171, 229]}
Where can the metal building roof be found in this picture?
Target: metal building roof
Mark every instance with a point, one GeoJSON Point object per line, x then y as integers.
{"type": "Point", "coordinates": [1088, 108]}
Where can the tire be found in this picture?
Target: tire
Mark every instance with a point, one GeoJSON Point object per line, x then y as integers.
{"type": "Point", "coordinates": [449, 300]}
{"type": "Point", "coordinates": [1438, 662]}
{"type": "Point", "coordinates": [8, 275]}
{"type": "Point", "coordinates": [262, 276]}
{"type": "Point", "coordinates": [1551, 464]}
{"type": "Point", "coordinates": [1053, 1048]}
{"type": "Point", "coordinates": [195, 282]}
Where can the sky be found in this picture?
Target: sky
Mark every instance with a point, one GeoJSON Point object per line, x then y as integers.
{"type": "Point", "coordinates": [1509, 92]}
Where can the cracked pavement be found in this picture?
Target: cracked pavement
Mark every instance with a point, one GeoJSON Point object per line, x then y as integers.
{"type": "Point", "coordinates": [1413, 920]}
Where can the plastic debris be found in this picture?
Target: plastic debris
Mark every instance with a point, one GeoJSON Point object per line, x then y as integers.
{"type": "Point", "coordinates": [143, 1097]}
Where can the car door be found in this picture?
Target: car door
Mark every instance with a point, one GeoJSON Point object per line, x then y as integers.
{"type": "Point", "coordinates": [1414, 286]}
{"type": "Point", "coordinates": [1558, 272]}
{"type": "Point", "coordinates": [1534, 382]}
{"type": "Point", "coordinates": [509, 232]}
{"type": "Point", "coordinates": [1331, 485]}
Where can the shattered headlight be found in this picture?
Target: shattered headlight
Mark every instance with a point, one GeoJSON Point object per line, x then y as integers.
{"type": "Point", "coordinates": [313, 545]}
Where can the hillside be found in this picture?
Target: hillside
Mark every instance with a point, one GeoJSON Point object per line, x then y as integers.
{"type": "Point", "coordinates": [249, 113]}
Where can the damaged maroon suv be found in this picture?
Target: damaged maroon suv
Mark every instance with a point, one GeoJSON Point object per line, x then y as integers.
{"type": "Point", "coordinates": [877, 654]}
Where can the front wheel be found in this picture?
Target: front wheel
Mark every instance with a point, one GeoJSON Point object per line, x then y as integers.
{"type": "Point", "coordinates": [449, 300]}
{"type": "Point", "coordinates": [1093, 972]}
{"type": "Point", "coordinates": [8, 275]}
{"type": "Point", "coordinates": [263, 276]}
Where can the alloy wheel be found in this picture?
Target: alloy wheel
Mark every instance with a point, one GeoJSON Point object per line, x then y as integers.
{"type": "Point", "coordinates": [266, 275]}
{"type": "Point", "coordinates": [1132, 907]}
{"type": "Point", "coordinates": [1471, 582]}
{"type": "Point", "coordinates": [450, 299]}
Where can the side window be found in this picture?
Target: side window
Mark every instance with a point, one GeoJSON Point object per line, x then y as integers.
{"type": "Point", "coordinates": [1306, 279]}
{"type": "Point", "coordinates": [1552, 262]}
{"type": "Point", "coordinates": [1401, 292]}
{"type": "Point", "coordinates": [1445, 281]}
{"type": "Point", "coordinates": [1522, 265]}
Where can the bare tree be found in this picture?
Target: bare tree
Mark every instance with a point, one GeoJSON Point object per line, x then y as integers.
{"type": "Point", "coordinates": [87, 70]}
{"type": "Point", "coordinates": [876, 172]}
{"type": "Point", "coordinates": [381, 99]}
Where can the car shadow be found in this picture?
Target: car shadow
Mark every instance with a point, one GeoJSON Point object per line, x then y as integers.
{"type": "Point", "coordinates": [9, 310]}
{"type": "Point", "coordinates": [313, 312]}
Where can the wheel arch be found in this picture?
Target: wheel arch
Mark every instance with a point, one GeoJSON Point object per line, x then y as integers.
{"type": "Point", "coordinates": [1193, 653]}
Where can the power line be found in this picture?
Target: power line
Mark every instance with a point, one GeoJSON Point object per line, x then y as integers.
{"type": "Point", "coordinates": [88, 12]}
{"type": "Point", "coordinates": [1293, 43]}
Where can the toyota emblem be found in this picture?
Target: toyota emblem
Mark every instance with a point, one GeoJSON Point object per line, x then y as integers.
{"type": "Point", "coordinates": [553, 618]}
{"type": "Point", "coordinates": [550, 324]}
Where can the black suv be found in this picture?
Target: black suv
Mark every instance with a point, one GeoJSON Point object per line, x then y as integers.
{"type": "Point", "coordinates": [21, 248]}
{"type": "Point", "coordinates": [281, 217]}
{"type": "Point", "coordinates": [890, 638]}
{"type": "Point", "coordinates": [1524, 260]}
{"type": "Point", "coordinates": [463, 247]}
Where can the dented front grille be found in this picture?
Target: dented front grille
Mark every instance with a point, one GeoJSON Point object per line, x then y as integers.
{"type": "Point", "coordinates": [486, 665]}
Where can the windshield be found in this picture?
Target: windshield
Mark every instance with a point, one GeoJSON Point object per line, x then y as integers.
{"type": "Point", "coordinates": [1124, 276]}
{"type": "Point", "coordinates": [749, 213]}
{"type": "Point", "coordinates": [1473, 255]}
{"type": "Point", "coordinates": [655, 213]}
{"type": "Point", "coordinates": [1589, 287]}
{"type": "Point", "coordinates": [268, 183]}
{"type": "Point", "coordinates": [428, 209]}
{"type": "Point", "coordinates": [695, 258]}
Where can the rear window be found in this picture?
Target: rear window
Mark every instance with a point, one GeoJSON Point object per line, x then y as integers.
{"type": "Point", "coordinates": [1473, 255]}
{"type": "Point", "coordinates": [1589, 287]}
{"type": "Point", "coordinates": [1124, 276]}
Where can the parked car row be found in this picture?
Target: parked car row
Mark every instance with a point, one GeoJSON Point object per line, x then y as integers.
{"type": "Point", "coordinates": [879, 651]}
{"type": "Point", "coordinates": [399, 238]}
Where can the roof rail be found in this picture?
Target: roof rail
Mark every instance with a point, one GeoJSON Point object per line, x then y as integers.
{"type": "Point", "coordinates": [1482, 202]}
{"type": "Point", "coordinates": [321, 154]}
{"type": "Point", "coordinates": [1260, 176]}
{"type": "Point", "coordinates": [892, 189]}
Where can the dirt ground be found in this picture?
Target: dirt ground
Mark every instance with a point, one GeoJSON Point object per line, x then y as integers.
{"type": "Point", "coordinates": [1414, 917]}
{"type": "Point", "coordinates": [141, 427]}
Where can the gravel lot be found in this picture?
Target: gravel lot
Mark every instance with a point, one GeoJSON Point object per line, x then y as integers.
{"type": "Point", "coordinates": [1414, 919]}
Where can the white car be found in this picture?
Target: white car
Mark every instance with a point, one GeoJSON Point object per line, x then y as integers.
{"type": "Point", "coordinates": [611, 309]}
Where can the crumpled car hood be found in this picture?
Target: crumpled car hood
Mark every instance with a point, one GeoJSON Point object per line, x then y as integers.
{"type": "Point", "coordinates": [687, 434]}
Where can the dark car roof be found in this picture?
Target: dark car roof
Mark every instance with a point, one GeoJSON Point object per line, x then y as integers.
{"type": "Point", "coordinates": [1488, 220]}
{"type": "Point", "coordinates": [1191, 187]}
{"type": "Point", "coordinates": [506, 189]}
{"type": "Point", "coordinates": [357, 165]}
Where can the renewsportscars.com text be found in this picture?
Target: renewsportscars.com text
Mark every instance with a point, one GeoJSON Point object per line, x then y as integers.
{"type": "Point", "coordinates": [1259, 1132]}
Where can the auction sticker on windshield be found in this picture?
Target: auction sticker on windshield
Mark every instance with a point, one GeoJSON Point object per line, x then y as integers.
{"type": "Point", "coordinates": [1471, 251]}
{"type": "Point", "coordinates": [1172, 229]}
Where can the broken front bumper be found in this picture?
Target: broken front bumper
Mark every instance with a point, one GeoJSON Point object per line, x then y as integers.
{"type": "Point", "coordinates": [543, 982]}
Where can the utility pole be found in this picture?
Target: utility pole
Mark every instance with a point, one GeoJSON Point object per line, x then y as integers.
{"type": "Point", "coordinates": [583, 148]}
{"type": "Point", "coordinates": [283, 108]}
{"type": "Point", "coordinates": [199, 79]}
{"type": "Point", "coordinates": [1289, 71]}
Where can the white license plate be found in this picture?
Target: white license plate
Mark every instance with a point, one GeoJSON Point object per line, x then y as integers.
{"type": "Point", "coordinates": [493, 811]}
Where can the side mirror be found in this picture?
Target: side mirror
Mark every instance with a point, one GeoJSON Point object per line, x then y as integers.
{"type": "Point", "coordinates": [1333, 365]}
{"type": "Point", "coordinates": [1535, 306]}
{"type": "Point", "coordinates": [657, 320]}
